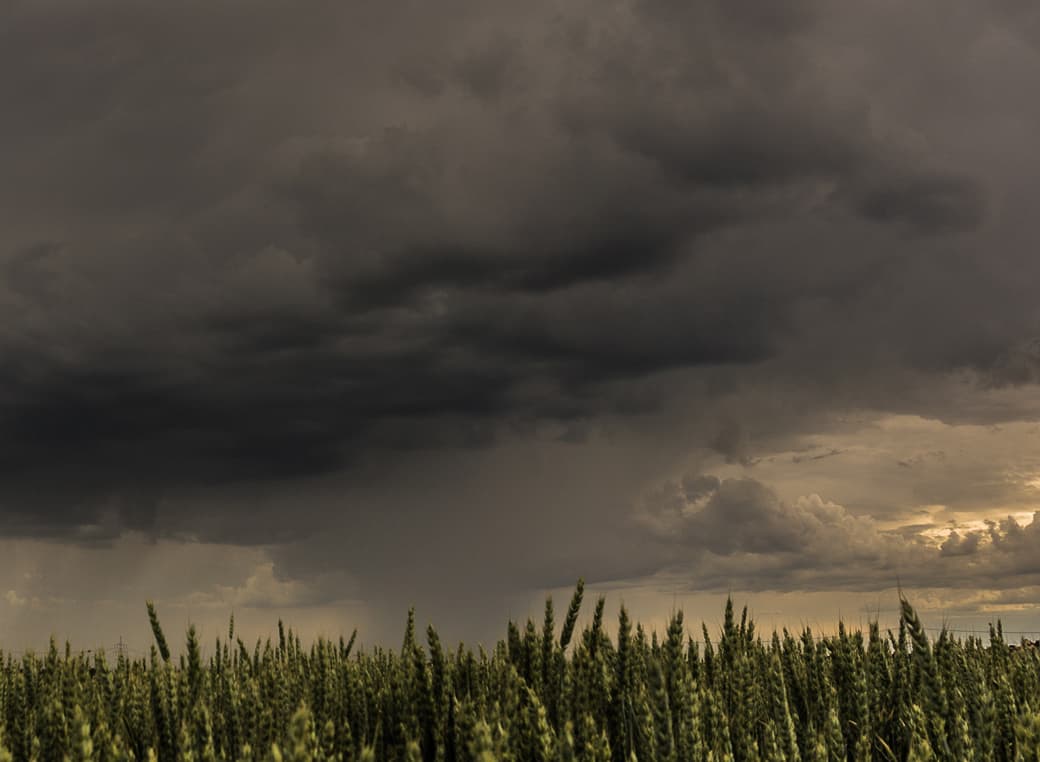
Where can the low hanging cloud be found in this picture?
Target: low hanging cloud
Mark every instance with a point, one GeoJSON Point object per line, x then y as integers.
{"type": "Point", "coordinates": [263, 589]}
{"type": "Point", "coordinates": [738, 534]}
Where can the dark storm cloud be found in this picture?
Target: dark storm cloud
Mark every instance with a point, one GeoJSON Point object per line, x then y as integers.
{"type": "Point", "coordinates": [931, 202]}
{"type": "Point", "coordinates": [252, 244]}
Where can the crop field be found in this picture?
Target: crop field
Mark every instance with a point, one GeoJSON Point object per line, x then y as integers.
{"type": "Point", "coordinates": [545, 692]}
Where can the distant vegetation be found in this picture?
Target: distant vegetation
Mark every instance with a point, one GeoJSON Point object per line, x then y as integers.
{"type": "Point", "coordinates": [537, 696]}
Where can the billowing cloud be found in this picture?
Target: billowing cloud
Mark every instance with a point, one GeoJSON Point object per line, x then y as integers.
{"type": "Point", "coordinates": [738, 534]}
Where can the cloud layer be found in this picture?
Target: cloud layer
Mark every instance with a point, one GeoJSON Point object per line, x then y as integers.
{"type": "Point", "coordinates": [353, 283]}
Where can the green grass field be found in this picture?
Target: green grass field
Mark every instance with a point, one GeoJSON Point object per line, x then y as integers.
{"type": "Point", "coordinates": [543, 693]}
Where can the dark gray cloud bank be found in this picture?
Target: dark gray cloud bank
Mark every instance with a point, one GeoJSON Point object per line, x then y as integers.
{"type": "Point", "coordinates": [430, 295]}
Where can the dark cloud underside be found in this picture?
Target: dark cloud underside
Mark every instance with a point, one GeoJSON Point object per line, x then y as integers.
{"type": "Point", "coordinates": [257, 249]}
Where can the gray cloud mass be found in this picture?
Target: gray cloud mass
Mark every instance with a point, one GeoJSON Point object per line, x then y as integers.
{"type": "Point", "coordinates": [355, 282]}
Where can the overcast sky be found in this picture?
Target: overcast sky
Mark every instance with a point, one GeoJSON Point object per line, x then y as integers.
{"type": "Point", "coordinates": [319, 310]}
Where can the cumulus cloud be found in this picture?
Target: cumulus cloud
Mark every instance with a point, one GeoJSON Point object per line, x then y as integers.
{"type": "Point", "coordinates": [739, 534]}
{"type": "Point", "coordinates": [14, 599]}
{"type": "Point", "coordinates": [264, 589]}
{"type": "Point", "coordinates": [961, 545]}
{"type": "Point", "coordinates": [745, 527]}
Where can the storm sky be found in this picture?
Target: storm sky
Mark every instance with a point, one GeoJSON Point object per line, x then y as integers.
{"type": "Point", "coordinates": [320, 310]}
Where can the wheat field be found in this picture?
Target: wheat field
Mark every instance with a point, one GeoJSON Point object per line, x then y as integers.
{"type": "Point", "coordinates": [543, 693]}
